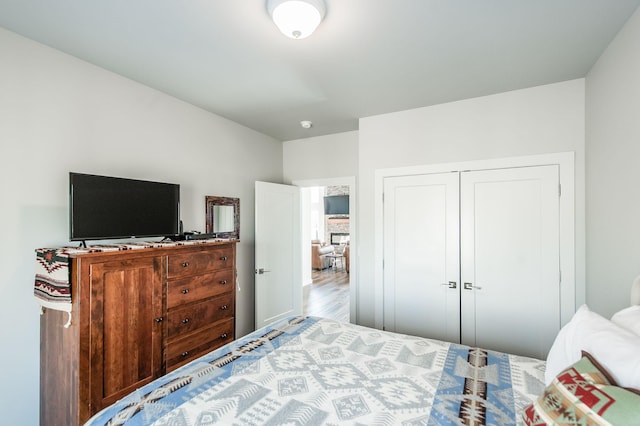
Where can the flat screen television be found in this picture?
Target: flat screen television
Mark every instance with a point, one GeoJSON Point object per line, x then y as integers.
{"type": "Point", "coordinates": [336, 204]}
{"type": "Point", "coordinates": [104, 207]}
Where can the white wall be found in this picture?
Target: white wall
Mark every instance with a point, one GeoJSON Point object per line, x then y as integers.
{"type": "Point", "coordinates": [320, 157]}
{"type": "Point", "coordinates": [613, 171]}
{"type": "Point", "coordinates": [59, 114]}
{"type": "Point", "coordinates": [538, 120]}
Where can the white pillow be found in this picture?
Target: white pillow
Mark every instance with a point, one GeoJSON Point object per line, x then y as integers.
{"type": "Point", "coordinates": [628, 318]}
{"type": "Point", "coordinates": [562, 353]}
{"type": "Point", "coordinates": [615, 347]}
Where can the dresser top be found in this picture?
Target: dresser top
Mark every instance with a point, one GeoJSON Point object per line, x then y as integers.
{"type": "Point", "coordinates": [142, 246]}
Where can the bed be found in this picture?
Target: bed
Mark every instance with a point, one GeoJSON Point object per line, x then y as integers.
{"type": "Point", "coordinates": [309, 371]}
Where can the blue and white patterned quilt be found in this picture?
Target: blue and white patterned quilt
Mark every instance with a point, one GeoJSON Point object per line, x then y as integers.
{"type": "Point", "coordinates": [308, 371]}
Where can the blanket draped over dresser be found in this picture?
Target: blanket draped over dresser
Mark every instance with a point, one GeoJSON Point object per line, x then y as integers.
{"type": "Point", "coordinates": [52, 287]}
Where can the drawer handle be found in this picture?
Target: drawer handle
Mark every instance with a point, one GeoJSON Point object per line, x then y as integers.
{"type": "Point", "coordinates": [185, 291]}
{"type": "Point", "coordinates": [223, 282]}
{"type": "Point", "coordinates": [224, 307]}
{"type": "Point", "coordinates": [223, 335]}
{"type": "Point", "coordinates": [185, 264]}
{"type": "Point", "coordinates": [159, 319]}
{"type": "Point", "coordinates": [185, 321]}
{"type": "Point", "coordinates": [223, 258]}
{"type": "Point", "coordinates": [184, 354]}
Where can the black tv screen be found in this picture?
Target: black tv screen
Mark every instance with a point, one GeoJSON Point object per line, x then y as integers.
{"type": "Point", "coordinates": [104, 207]}
{"type": "Point", "coordinates": [336, 204]}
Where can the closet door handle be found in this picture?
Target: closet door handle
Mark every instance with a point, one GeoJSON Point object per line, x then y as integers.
{"type": "Point", "coordinates": [470, 286]}
{"type": "Point", "coordinates": [451, 284]}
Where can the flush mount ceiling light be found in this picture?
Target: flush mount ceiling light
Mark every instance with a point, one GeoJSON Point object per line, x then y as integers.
{"type": "Point", "coordinates": [296, 18]}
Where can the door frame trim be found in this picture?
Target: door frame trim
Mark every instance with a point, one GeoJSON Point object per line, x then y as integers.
{"type": "Point", "coordinates": [570, 292]}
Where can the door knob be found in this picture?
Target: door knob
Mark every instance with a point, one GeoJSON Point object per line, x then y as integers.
{"type": "Point", "coordinates": [451, 284]}
{"type": "Point", "coordinates": [470, 286]}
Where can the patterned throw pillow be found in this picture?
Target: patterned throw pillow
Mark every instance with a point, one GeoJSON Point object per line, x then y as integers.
{"type": "Point", "coordinates": [584, 394]}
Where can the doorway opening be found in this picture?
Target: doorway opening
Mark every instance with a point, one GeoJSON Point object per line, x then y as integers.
{"type": "Point", "coordinates": [328, 237]}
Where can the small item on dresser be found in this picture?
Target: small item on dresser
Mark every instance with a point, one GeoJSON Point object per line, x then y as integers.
{"type": "Point", "coordinates": [199, 236]}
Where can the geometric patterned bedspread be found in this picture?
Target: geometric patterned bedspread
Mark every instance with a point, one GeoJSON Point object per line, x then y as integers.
{"type": "Point", "coordinates": [308, 371]}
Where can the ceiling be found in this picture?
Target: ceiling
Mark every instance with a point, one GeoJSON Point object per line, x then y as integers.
{"type": "Point", "coordinates": [368, 57]}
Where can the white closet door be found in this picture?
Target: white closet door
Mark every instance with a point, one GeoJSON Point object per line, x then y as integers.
{"type": "Point", "coordinates": [421, 255]}
{"type": "Point", "coordinates": [510, 259]}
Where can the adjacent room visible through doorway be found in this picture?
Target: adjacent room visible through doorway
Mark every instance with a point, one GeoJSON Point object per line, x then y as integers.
{"type": "Point", "coordinates": [327, 235]}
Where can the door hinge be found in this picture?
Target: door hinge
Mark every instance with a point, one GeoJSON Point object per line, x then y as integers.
{"type": "Point", "coordinates": [559, 190]}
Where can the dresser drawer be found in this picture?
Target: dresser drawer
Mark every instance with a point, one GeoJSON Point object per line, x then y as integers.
{"type": "Point", "coordinates": [187, 290]}
{"type": "Point", "coordinates": [190, 318]}
{"type": "Point", "coordinates": [199, 262]}
{"type": "Point", "coordinates": [194, 345]}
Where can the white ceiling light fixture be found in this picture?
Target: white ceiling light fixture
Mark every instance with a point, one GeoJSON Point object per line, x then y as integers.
{"type": "Point", "coordinates": [296, 18]}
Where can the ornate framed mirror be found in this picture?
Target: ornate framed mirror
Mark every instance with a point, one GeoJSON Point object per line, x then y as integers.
{"type": "Point", "coordinates": [223, 216]}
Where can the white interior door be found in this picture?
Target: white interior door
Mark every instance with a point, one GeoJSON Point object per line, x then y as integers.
{"type": "Point", "coordinates": [421, 256]}
{"type": "Point", "coordinates": [510, 297]}
{"type": "Point", "coordinates": [278, 288]}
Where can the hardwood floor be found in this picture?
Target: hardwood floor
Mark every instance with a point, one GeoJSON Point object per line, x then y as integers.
{"type": "Point", "coordinates": [328, 296]}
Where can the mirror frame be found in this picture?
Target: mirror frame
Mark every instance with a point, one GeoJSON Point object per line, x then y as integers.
{"type": "Point", "coordinates": [211, 201]}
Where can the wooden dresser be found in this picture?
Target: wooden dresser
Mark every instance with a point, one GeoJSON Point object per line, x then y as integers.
{"type": "Point", "coordinates": [137, 314]}
{"type": "Point", "coordinates": [200, 303]}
